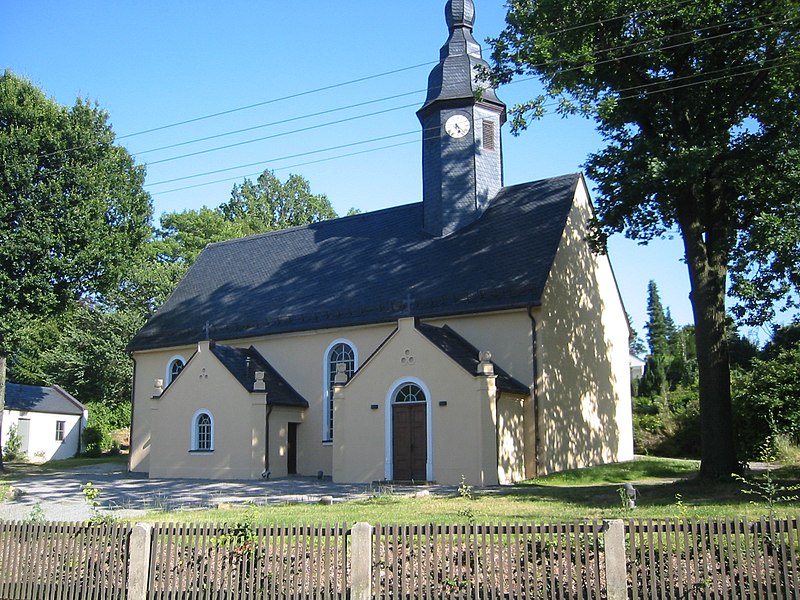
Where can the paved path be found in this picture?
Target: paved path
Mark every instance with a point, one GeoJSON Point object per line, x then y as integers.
{"type": "Point", "coordinates": [129, 494]}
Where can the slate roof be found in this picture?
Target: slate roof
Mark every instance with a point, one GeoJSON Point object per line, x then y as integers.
{"type": "Point", "coordinates": [466, 355]}
{"type": "Point", "coordinates": [244, 362]}
{"type": "Point", "coordinates": [370, 268]}
{"type": "Point", "coordinates": [34, 398]}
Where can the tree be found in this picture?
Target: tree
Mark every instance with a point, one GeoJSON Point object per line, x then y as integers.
{"type": "Point", "coordinates": [73, 212]}
{"type": "Point", "coordinates": [658, 328]}
{"type": "Point", "coordinates": [269, 205]}
{"type": "Point", "coordinates": [253, 208]}
{"type": "Point", "coordinates": [698, 103]}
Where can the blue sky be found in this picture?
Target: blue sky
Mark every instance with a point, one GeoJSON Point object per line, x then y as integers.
{"type": "Point", "coordinates": [152, 64]}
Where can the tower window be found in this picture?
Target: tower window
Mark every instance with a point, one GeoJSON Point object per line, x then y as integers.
{"type": "Point", "coordinates": [488, 135]}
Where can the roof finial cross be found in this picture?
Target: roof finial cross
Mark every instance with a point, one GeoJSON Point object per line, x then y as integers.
{"type": "Point", "coordinates": [408, 303]}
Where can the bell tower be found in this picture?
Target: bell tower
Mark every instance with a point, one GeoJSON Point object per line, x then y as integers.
{"type": "Point", "coordinates": [462, 159]}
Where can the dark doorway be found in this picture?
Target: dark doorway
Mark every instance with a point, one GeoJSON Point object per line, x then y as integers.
{"type": "Point", "coordinates": [291, 449]}
{"type": "Point", "coordinates": [410, 441]}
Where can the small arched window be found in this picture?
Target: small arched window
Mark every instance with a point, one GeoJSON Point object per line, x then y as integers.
{"type": "Point", "coordinates": [339, 352]}
{"type": "Point", "coordinates": [409, 392]}
{"type": "Point", "coordinates": [203, 432]}
{"type": "Point", "coordinates": [174, 367]}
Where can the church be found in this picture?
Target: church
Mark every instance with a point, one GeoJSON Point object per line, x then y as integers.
{"type": "Point", "coordinates": [471, 336]}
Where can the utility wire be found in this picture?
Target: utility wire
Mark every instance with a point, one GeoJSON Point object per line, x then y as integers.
{"type": "Point", "coordinates": [392, 72]}
{"type": "Point", "coordinates": [280, 99]}
{"type": "Point", "coordinates": [262, 162]}
{"type": "Point", "coordinates": [566, 69]}
{"type": "Point", "coordinates": [284, 168]}
{"type": "Point", "coordinates": [547, 63]}
{"type": "Point", "coordinates": [282, 134]}
{"type": "Point", "coordinates": [638, 89]}
{"type": "Point", "coordinates": [281, 122]}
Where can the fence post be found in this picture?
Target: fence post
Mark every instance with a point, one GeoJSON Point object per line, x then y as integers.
{"type": "Point", "coordinates": [139, 561]}
{"type": "Point", "coordinates": [616, 566]}
{"type": "Point", "coordinates": [361, 562]}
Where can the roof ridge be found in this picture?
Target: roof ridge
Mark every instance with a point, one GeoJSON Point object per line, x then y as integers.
{"type": "Point", "coordinates": [295, 228]}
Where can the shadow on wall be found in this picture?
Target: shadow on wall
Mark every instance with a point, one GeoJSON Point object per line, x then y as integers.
{"type": "Point", "coordinates": [583, 343]}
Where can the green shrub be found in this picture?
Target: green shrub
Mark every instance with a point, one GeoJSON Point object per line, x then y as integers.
{"type": "Point", "coordinates": [95, 441]}
{"type": "Point", "coordinates": [13, 448]}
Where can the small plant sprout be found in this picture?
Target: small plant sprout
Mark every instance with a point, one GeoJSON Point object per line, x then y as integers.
{"type": "Point", "coordinates": [770, 491]}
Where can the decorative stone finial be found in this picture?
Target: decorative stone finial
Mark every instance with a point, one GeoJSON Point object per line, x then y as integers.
{"type": "Point", "coordinates": [158, 387]}
{"type": "Point", "coordinates": [341, 374]}
{"type": "Point", "coordinates": [259, 385]}
{"type": "Point", "coordinates": [485, 367]}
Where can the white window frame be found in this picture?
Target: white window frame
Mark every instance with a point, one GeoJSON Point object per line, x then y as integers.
{"type": "Point", "coordinates": [168, 371]}
{"type": "Point", "coordinates": [327, 397]}
{"type": "Point", "coordinates": [195, 443]}
{"type": "Point", "coordinates": [388, 466]}
{"type": "Point", "coordinates": [61, 430]}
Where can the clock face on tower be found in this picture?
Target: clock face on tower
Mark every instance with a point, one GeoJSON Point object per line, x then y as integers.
{"type": "Point", "coordinates": [457, 126]}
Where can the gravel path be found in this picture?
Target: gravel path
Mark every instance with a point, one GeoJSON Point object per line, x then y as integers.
{"type": "Point", "coordinates": [128, 494]}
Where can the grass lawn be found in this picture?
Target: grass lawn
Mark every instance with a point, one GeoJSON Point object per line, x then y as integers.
{"type": "Point", "coordinates": [667, 488]}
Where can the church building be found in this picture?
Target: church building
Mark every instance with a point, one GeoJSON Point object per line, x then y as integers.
{"type": "Point", "coordinates": [473, 334]}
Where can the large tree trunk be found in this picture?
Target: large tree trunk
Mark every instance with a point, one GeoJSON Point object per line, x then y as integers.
{"type": "Point", "coordinates": [707, 262]}
{"type": "Point", "coordinates": [2, 405]}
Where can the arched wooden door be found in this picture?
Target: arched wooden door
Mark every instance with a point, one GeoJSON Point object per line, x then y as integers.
{"type": "Point", "coordinates": [409, 434]}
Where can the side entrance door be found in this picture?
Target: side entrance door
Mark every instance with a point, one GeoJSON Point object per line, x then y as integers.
{"type": "Point", "coordinates": [409, 434]}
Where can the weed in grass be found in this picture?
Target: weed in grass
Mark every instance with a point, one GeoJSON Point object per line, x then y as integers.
{"type": "Point", "coordinates": [766, 487]}
{"type": "Point", "coordinates": [90, 495]}
{"type": "Point", "coordinates": [36, 515]}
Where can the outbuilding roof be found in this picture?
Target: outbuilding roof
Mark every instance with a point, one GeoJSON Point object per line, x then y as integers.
{"type": "Point", "coordinates": [40, 399]}
{"type": "Point", "coordinates": [369, 268]}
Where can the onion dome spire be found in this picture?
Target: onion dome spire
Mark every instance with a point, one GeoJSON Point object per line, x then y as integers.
{"type": "Point", "coordinates": [457, 76]}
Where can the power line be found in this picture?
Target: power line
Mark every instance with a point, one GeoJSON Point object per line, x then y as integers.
{"type": "Point", "coordinates": [279, 99]}
{"type": "Point", "coordinates": [638, 89]}
{"type": "Point", "coordinates": [333, 86]}
{"type": "Point", "coordinates": [282, 134]}
{"type": "Point", "coordinates": [281, 122]}
{"type": "Point", "coordinates": [392, 72]}
{"type": "Point", "coordinates": [567, 69]}
{"type": "Point", "coordinates": [284, 168]}
{"type": "Point", "coordinates": [262, 162]}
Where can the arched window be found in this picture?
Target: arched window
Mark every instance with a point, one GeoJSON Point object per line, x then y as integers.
{"type": "Point", "coordinates": [174, 367]}
{"type": "Point", "coordinates": [203, 431]}
{"type": "Point", "coordinates": [341, 351]}
{"type": "Point", "coordinates": [409, 392]}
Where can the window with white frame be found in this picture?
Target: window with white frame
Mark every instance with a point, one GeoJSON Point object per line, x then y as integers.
{"type": "Point", "coordinates": [60, 430]}
{"type": "Point", "coordinates": [175, 367]}
{"type": "Point", "coordinates": [202, 432]}
{"type": "Point", "coordinates": [339, 352]}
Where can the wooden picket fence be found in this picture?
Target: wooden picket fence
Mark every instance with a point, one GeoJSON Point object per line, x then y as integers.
{"type": "Point", "coordinates": [488, 561]}
{"type": "Point", "coordinates": [239, 561]}
{"type": "Point", "coordinates": [664, 559]}
{"type": "Point", "coordinates": [713, 558]}
{"type": "Point", "coordinates": [57, 561]}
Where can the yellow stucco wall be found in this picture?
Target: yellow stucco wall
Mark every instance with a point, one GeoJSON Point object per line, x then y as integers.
{"type": "Point", "coordinates": [298, 357]}
{"type": "Point", "coordinates": [238, 423]}
{"type": "Point", "coordinates": [511, 441]}
{"type": "Point", "coordinates": [582, 342]}
{"type": "Point", "coordinates": [462, 438]}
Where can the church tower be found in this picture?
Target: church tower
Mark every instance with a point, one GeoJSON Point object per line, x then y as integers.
{"type": "Point", "coordinates": [462, 162]}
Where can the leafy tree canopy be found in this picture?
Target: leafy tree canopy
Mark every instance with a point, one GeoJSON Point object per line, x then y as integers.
{"type": "Point", "coordinates": [698, 103]}
{"type": "Point", "coordinates": [73, 212]}
{"type": "Point", "coordinates": [72, 209]}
